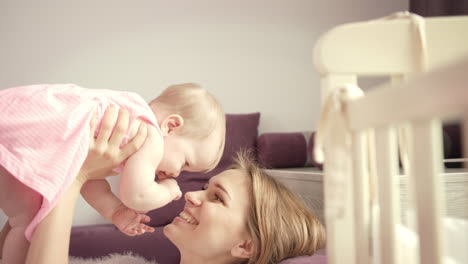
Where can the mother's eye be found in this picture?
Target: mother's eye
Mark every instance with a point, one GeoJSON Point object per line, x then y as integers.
{"type": "Point", "coordinates": [218, 198]}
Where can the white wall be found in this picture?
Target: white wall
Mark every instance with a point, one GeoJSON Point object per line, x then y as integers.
{"type": "Point", "coordinates": [254, 55]}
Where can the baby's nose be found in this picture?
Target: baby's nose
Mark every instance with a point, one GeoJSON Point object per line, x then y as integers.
{"type": "Point", "coordinates": [174, 174]}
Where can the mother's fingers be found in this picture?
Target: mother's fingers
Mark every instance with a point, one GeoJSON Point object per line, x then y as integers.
{"type": "Point", "coordinates": [136, 142]}
{"type": "Point", "coordinates": [92, 123]}
{"type": "Point", "coordinates": [104, 152]}
{"type": "Point", "coordinates": [120, 128]}
{"type": "Point", "coordinates": [107, 125]}
{"type": "Point", "coordinates": [92, 129]}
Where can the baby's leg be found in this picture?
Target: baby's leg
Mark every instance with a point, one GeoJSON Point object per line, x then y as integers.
{"type": "Point", "coordinates": [20, 204]}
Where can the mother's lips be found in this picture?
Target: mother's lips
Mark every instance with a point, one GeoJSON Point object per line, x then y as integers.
{"type": "Point", "coordinates": [188, 217]}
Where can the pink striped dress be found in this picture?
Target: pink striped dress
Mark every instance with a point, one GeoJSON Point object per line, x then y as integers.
{"type": "Point", "coordinates": [44, 134]}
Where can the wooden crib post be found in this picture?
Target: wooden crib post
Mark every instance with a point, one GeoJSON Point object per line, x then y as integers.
{"type": "Point", "coordinates": [362, 194]}
{"type": "Point", "coordinates": [386, 158]}
{"type": "Point", "coordinates": [339, 192]}
{"type": "Point", "coordinates": [426, 187]}
{"type": "Point", "coordinates": [392, 48]}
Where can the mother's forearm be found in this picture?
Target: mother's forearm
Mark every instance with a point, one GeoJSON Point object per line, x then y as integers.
{"type": "Point", "coordinates": [51, 240]}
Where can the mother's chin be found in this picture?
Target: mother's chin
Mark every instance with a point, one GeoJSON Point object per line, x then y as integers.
{"type": "Point", "coordinates": [172, 230]}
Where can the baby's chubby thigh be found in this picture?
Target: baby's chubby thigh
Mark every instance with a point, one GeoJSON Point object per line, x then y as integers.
{"type": "Point", "coordinates": [18, 202]}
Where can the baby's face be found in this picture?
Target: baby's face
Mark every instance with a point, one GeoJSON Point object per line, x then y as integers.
{"type": "Point", "coordinates": [182, 153]}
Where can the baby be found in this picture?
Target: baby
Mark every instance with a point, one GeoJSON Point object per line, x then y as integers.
{"type": "Point", "coordinates": [44, 137]}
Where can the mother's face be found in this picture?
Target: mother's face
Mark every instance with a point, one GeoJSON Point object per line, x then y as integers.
{"type": "Point", "coordinates": [214, 219]}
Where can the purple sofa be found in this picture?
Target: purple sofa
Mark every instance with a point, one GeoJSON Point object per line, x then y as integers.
{"type": "Point", "coordinates": [101, 240]}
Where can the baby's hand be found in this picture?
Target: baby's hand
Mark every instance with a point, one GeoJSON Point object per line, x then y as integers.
{"type": "Point", "coordinates": [173, 187]}
{"type": "Point", "coordinates": [130, 222]}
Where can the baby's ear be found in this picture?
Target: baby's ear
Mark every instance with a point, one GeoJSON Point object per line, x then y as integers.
{"type": "Point", "coordinates": [171, 123]}
{"type": "Point", "coordinates": [244, 249]}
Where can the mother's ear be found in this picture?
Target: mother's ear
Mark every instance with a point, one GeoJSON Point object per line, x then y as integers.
{"type": "Point", "coordinates": [171, 123]}
{"type": "Point", "coordinates": [244, 249]}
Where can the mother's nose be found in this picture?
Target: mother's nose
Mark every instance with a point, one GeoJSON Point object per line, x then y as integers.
{"type": "Point", "coordinates": [194, 198]}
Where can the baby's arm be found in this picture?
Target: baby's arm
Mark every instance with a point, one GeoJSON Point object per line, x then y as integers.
{"type": "Point", "coordinates": [99, 195]}
{"type": "Point", "coordinates": [137, 187]}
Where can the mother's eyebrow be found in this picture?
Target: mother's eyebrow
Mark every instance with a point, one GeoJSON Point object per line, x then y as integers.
{"type": "Point", "coordinates": [218, 185]}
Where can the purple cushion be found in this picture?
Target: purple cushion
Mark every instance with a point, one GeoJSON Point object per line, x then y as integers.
{"type": "Point", "coordinates": [241, 132]}
{"type": "Point", "coordinates": [310, 151]}
{"type": "Point", "coordinates": [286, 150]}
{"type": "Point", "coordinates": [282, 150]}
{"type": "Point", "coordinates": [102, 240]}
{"type": "Point", "coordinates": [452, 144]}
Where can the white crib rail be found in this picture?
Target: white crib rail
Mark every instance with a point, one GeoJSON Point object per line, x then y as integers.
{"type": "Point", "coordinates": [441, 94]}
{"type": "Point", "coordinates": [388, 193]}
{"type": "Point", "coordinates": [387, 47]}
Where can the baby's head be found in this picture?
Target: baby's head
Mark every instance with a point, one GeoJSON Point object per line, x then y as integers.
{"type": "Point", "coordinates": [194, 126]}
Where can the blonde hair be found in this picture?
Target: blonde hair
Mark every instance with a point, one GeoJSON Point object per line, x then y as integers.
{"type": "Point", "coordinates": [279, 222]}
{"type": "Point", "coordinates": [201, 111]}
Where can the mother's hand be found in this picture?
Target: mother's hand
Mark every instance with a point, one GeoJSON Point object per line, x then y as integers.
{"type": "Point", "coordinates": [104, 152]}
{"type": "Point", "coordinates": [51, 240]}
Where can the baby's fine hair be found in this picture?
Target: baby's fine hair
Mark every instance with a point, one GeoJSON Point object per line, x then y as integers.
{"type": "Point", "coordinates": [280, 223]}
{"type": "Point", "coordinates": [201, 111]}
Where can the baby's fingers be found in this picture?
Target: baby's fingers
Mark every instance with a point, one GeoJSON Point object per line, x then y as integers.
{"type": "Point", "coordinates": [149, 229]}
{"type": "Point", "coordinates": [145, 219]}
{"type": "Point", "coordinates": [132, 232]}
{"type": "Point", "coordinates": [145, 228]}
{"type": "Point", "coordinates": [139, 230]}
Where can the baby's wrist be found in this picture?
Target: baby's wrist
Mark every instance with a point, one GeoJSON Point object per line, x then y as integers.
{"type": "Point", "coordinates": [117, 209]}
{"type": "Point", "coordinates": [81, 178]}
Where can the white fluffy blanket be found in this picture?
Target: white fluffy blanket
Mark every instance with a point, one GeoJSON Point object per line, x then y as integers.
{"type": "Point", "coordinates": [127, 258]}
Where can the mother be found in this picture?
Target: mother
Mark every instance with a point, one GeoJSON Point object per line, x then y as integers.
{"type": "Point", "coordinates": [241, 216]}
